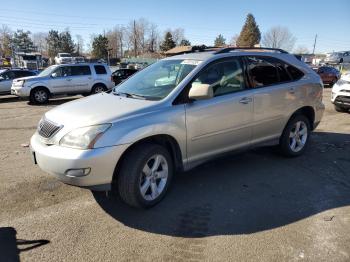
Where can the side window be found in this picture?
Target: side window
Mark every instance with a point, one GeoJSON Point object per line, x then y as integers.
{"type": "Point", "coordinates": [100, 69]}
{"type": "Point", "coordinates": [81, 70]}
{"type": "Point", "coordinates": [262, 72]}
{"type": "Point", "coordinates": [8, 75]}
{"type": "Point", "coordinates": [224, 77]}
{"type": "Point", "coordinates": [63, 71]}
{"type": "Point", "coordinates": [294, 72]}
{"type": "Point", "coordinates": [282, 71]}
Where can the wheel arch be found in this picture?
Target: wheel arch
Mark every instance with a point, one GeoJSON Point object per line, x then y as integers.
{"type": "Point", "coordinates": [307, 111]}
{"type": "Point", "coordinates": [168, 141]}
{"type": "Point", "coordinates": [40, 86]}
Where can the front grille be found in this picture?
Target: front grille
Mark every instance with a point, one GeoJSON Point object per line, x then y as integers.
{"type": "Point", "coordinates": [47, 128]}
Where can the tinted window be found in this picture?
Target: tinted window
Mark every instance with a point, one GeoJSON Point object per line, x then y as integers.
{"type": "Point", "coordinates": [81, 70]}
{"type": "Point", "coordinates": [8, 75]}
{"type": "Point", "coordinates": [294, 72]}
{"type": "Point", "coordinates": [282, 70]}
{"type": "Point", "coordinates": [224, 77]}
{"type": "Point", "coordinates": [63, 71]}
{"type": "Point", "coordinates": [262, 72]}
{"type": "Point", "coordinates": [100, 70]}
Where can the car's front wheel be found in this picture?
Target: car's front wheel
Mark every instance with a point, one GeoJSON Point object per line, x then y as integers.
{"type": "Point", "coordinates": [295, 136]}
{"type": "Point", "coordinates": [145, 175]}
{"type": "Point", "coordinates": [98, 89]}
{"type": "Point", "coordinates": [39, 95]}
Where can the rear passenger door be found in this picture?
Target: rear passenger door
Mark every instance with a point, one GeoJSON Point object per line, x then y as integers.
{"type": "Point", "coordinates": [274, 95]}
{"type": "Point", "coordinates": [81, 79]}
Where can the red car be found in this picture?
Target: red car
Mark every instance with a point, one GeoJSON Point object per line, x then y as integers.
{"type": "Point", "coordinates": [328, 74]}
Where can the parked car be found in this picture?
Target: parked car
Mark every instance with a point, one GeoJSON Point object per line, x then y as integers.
{"type": "Point", "coordinates": [121, 74]}
{"type": "Point", "coordinates": [64, 79]}
{"type": "Point", "coordinates": [79, 59]}
{"type": "Point", "coordinates": [338, 57]}
{"type": "Point", "coordinates": [328, 74]}
{"type": "Point", "coordinates": [134, 139]}
{"type": "Point", "coordinates": [341, 94]}
{"type": "Point", "coordinates": [8, 75]}
{"type": "Point", "coordinates": [63, 58]}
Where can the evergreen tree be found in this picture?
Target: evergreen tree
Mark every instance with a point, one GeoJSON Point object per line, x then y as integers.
{"type": "Point", "coordinates": [53, 43]}
{"type": "Point", "coordinates": [100, 47]}
{"type": "Point", "coordinates": [219, 41]}
{"type": "Point", "coordinates": [168, 42]}
{"type": "Point", "coordinates": [185, 42]}
{"type": "Point", "coordinates": [66, 43]}
{"type": "Point", "coordinates": [250, 34]}
{"type": "Point", "coordinates": [22, 41]}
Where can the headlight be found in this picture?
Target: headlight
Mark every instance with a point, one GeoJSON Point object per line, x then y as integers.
{"type": "Point", "coordinates": [20, 83]}
{"type": "Point", "coordinates": [84, 137]}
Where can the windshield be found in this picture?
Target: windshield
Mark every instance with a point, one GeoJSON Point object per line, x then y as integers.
{"type": "Point", "coordinates": [48, 71]}
{"type": "Point", "coordinates": [158, 80]}
{"type": "Point", "coordinates": [65, 55]}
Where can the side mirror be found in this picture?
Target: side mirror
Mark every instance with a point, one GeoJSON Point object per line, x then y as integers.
{"type": "Point", "coordinates": [53, 75]}
{"type": "Point", "coordinates": [200, 91]}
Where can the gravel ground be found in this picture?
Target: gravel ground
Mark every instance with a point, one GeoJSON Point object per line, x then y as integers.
{"type": "Point", "coordinates": [253, 206]}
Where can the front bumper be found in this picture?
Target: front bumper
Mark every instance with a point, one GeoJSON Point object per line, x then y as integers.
{"type": "Point", "coordinates": [342, 100]}
{"type": "Point", "coordinates": [57, 160]}
{"type": "Point", "coordinates": [20, 91]}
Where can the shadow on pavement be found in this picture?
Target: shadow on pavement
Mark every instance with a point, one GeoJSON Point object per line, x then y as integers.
{"type": "Point", "coordinates": [247, 193]}
{"type": "Point", "coordinates": [10, 246]}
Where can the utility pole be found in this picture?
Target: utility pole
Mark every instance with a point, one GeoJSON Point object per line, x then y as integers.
{"type": "Point", "coordinates": [135, 43]}
{"type": "Point", "coordinates": [313, 50]}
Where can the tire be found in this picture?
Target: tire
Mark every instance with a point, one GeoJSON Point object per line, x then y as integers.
{"type": "Point", "coordinates": [294, 143]}
{"type": "Point", "coordinates": [340, 109]}
{"type": "Point", "coordinates": [133, 176]}
{"type": "Point", "coordinates": [39, 95]}
{"type": "Point", "coordinates": [98, 88]}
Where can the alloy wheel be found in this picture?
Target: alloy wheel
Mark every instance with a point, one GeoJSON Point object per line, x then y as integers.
{"type": "Point", "coordinates": [298, 136]}
{"type": "Point", "coordinates": [154, 177]}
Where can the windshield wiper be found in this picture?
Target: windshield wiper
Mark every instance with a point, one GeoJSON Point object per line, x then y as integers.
{"type": "Point", "coordinates": [130, 95]}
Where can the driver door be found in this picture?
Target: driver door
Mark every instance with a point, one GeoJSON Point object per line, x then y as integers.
{"type": "Point", "coordinates": [224, 122]}
{"type": "Point", "coordinates": [60, 82]}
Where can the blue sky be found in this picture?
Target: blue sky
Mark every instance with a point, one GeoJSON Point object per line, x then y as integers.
{"type": "Point", "coordinates": [202, 20]}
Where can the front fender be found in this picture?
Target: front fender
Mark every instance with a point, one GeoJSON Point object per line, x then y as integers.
{"type": "Point", "coordinates": [170, 121]}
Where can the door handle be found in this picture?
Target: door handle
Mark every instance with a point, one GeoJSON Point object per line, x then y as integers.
{"type": "Point", "coordinates": [292, 90]}
{"type": "Point", "coordinates": [246, 100]}
{"type": "Point", "coordinates": [69, 79]}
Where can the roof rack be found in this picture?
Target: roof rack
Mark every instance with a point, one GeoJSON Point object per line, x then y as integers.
{"type": "Point", "coordinates": [229, 49]}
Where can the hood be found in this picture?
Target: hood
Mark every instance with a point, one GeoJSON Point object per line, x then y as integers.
{"type": "Point", "coordinates": [30, 78]}
{"type": "Point", "coordinates": [98, 109]}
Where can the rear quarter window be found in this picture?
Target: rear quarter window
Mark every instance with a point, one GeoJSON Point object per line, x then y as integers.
{"type": "Point", "coordinates": [294, 72]}
{"type": "Point", "coordinates": [100, 70]}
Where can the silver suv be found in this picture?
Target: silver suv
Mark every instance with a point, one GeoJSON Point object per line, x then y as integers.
{"type": "Point", "coordinates": [176, 114]}
{"type": "Point", "coordinates": [65, 79]}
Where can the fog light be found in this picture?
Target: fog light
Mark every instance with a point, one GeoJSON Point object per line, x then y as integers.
{"type": "Point", "coordinates": [78, 172]}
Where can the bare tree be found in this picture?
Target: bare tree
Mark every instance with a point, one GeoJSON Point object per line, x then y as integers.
{"type": "Point", "coordinates": [39, 40]}
{"type": "Point", "coordinates": [301, 50]}
{"type": "Point", "coordinates": [5, 41]}
{"type": "Point", "coordinates": [79, 44]}
{"type": "Point", "coordinates": [234, 39]}
{"type": "Point", "coordinates": [279, 37]}
{"type": "Point", "coordinates": [153, 38]}
{"type": "Point", "coordinates": [178, 35]}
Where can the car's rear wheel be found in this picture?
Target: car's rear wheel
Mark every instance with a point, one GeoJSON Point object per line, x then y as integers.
{"type": "Point", "coordinates": [340, 109]}
{"type": "Point", "coordinates": [295, 136]}
{"type": "Point", "coordinates": [39, 96]}
{"type": "Point", "coordinates": [98, 89]}
{"type": "Point", "coordinates": [145, 175]}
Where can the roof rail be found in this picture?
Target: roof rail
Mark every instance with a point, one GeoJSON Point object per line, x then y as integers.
{"type": "Point", "coordinates": [229, 49]}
